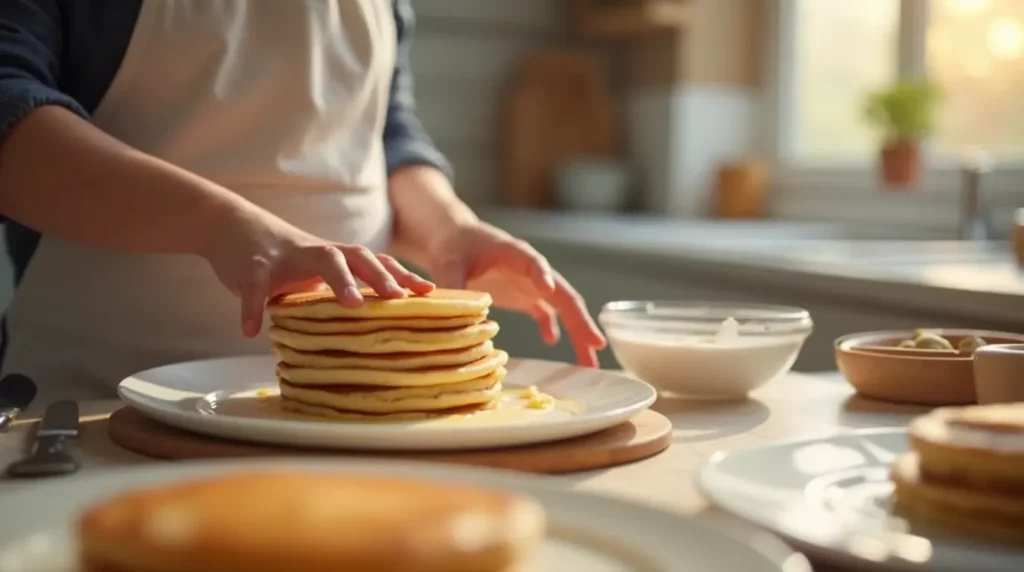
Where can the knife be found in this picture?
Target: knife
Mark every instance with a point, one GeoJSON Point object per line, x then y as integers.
{"type": "Point", "coordinates": [51, 452]}
{"type": "Point", "coordinates": [16, 392]}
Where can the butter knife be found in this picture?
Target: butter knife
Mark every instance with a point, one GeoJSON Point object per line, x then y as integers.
{"type": "Point", "coordinates": [51, 451]}
{"type": "Point", "coordinates": [16, 393]}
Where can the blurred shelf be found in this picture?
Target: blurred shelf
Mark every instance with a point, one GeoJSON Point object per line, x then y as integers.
{"type": "Point", "coordinates": [597, 19]}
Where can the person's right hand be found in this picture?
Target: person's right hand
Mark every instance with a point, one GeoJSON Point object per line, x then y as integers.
{"type": "Point", "coordinates": [257, 256]}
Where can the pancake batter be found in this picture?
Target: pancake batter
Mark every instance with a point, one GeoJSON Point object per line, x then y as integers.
{"type": "Point", "coordinates": [183, 160]}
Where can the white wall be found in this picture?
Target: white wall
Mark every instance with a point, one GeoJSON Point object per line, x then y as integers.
{"type": "Point", "coordinates": [464, 53]}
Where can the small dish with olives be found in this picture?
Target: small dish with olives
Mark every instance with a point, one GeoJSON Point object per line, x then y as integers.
{"type": "Point", "coordinates": [924, 366]}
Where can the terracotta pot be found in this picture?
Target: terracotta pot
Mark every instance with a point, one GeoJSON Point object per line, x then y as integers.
{"type": "Point", "coordinates": [901, 163]}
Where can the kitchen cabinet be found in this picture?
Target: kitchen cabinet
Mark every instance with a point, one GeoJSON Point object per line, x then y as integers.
{"type": "Point", "coordinates": [607, 19]}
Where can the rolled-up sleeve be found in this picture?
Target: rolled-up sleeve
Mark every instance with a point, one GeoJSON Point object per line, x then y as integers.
{"type": "Point", "coordinates": [405, 140]}
{"type": "Point", "coordinates": [30, 48]}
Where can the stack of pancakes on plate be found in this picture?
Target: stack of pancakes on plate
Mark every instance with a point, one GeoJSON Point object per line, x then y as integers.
{"type": "Point", "coordinates": [966, 471]}
{"type": "Point", "coordinates": [404, 358]}
{"type": "Point", "coordinates": [310, 522]}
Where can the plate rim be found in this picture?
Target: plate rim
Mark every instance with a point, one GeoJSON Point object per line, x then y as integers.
{"type": "Point", "coordinates": [775, 554]}
{"type": "Point", "coordinates": [834, 551]}
{"type": "Point", "coordinates": [158, 410]}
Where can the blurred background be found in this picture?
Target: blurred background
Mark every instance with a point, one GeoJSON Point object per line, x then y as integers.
{"type": "Point", "coordinates": [861, 159]}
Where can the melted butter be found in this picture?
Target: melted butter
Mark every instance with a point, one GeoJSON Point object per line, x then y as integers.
{"type": "Point", "coordinates": [514, 407]}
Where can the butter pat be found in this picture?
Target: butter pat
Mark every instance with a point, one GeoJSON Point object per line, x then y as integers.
{"type": "Point", "coordinates": [535, 399]}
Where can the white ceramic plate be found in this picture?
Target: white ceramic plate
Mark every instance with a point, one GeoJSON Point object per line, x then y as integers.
{"type": "Point", "coordinates": [219, 397]}
{"type": "Point", "coordinates": [831, 497]}
{"type": "Point", "coordinates": [587, 532]}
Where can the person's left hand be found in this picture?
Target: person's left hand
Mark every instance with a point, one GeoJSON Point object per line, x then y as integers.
{"type": "Point", "coordinates": [481, 257]}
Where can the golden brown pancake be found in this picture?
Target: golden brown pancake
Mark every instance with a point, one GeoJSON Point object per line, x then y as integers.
{"type": "Point", "coordinates": [386, 362]}
{"type": "Point", "coordinates": [313, 522]}
{"type": "Point", "coordinates": [371, 325]}
{"type": "Point", "coordinates": [343, 415]}
{"type": "Point", "coordinates": [388, 341]}
{"type": "Point", "coordinates": [410, 378]}
{"type": "Point", "coordinates": [323, 305]}
{"type": "Point", "coordinates": [985, 514]}
{"type": "Point", "coordinates": [363, 399]}
{"type": "Point", "coordinates": [976, 446]}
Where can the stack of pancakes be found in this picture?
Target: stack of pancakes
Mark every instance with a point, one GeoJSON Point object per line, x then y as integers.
{"type": "Point", "coordinates": [404, 358]}
{"type": "Point", "coordinates": [966, 471]}
{"type": "Point", "coordinates": [309, 522]}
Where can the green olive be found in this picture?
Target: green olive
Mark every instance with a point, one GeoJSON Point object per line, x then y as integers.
{"type": "Point", "coordinates": [931, 341]}
{"type": "Point", "coordinates": [907, 344]}
{"type": "Point", "coordinates": [970, 344]}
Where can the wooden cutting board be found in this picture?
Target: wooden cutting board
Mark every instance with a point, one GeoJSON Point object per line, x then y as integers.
{"type": "Point", "coordinates": [558, 108]}
{"type": "Point", "coordinates": [645, 435]}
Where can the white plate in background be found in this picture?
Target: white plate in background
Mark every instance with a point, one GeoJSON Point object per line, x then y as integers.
{"type": "Point", "coordinates": [831, 497]}
{"type": "Point", "coordinates": [587, 532]}
{"type": "Point", "coordinates": [219, 397]}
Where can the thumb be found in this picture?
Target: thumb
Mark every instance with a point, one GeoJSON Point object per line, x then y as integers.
{"type": "Point", "coordinates": [450, 273]}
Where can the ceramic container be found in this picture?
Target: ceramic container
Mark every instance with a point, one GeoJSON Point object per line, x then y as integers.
{"type": "Point", "coordinates": [999, 373]}
{"type": "Point", "coordinates": [874, 365]}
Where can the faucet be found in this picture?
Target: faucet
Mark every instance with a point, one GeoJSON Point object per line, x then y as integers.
{"type": "Point", "coordinates": [975, 217]}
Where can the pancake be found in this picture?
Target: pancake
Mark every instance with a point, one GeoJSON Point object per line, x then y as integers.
{"type": "Point", "coordinates": [977, 446]}
{"type": "Point", "coordinates": [371, 325]}
{"type": "Point", "coordinates": [344, 415]}
{"type": "Point", "coordinates": [322, 305]}
{"type": "Point", "coordinates": [412, 378]}
{"type": "Point", "coordinates": [984, 514]}
{"type": "Point", "coordinates": [383, 362]}
{"type": "Point", "coordinates": [388, 341]}
{"type": "Point", "coordinates": [362, 399]}
{"type": "Point", "coordinates": [314, 522]}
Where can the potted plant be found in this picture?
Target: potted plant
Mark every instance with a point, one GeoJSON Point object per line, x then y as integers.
{"type": "Point", "coordinates": [905, 114]}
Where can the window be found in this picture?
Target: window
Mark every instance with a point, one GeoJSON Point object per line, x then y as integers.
{"type": "Point", "coordinates": [844, 49]}
{"type": "Point", "coordinates": [976, 56]}
{"type": "Point", "coordinates": [840, 49]}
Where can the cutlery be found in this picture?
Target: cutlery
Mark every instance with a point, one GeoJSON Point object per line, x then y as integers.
{"type": "Point", "coordinates": [51, 452]}
{"type": "Point", "coordinates": [16, 392]}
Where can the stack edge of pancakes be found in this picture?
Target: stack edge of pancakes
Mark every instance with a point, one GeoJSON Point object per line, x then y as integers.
{"type": "Point", "coordinates": [405, 358]}
{"type": "Point", "coordinates": [310, 522]}
{"type": "Point", "coordinates": [965, 471]}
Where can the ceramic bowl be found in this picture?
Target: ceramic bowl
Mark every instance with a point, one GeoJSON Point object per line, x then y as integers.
{"type": "Point", "coordinates": [878, 369]}
{"type": "Point", "coordinates": [998, 373]}
{"type": "Point", "coordinates": [682, 350]}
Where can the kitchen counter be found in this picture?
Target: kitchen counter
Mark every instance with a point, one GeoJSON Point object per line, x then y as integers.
{"type": "Point", "coordinates": [882, 266]}
{"type": "Point", "coordinates": [794, 406]}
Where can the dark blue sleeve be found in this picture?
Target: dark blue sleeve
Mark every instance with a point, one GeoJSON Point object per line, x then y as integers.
{"type": "Point", "coordinates": [405, 140]}
{"type": "Point", "coordinates": [30, 48]}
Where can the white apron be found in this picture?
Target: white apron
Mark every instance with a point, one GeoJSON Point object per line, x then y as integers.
{"type": "Point", "coordinates": [283, 102]}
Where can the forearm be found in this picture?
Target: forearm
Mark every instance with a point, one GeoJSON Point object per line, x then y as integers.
{"type": "Point", "coordinates": [425, 207]}
{"type": "Point", "coordinates": [104, 193]}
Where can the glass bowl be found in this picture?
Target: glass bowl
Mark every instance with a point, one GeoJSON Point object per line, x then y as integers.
{"type": "Point", "coordinates": [709, 350]}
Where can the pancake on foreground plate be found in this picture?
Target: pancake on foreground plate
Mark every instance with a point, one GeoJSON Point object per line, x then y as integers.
{"type": "Point", "coordinates": [406, 358]}
{"type": "Point", "coordinates": [310, 522]}
{"type": "Point", "coordinates": [966, 471]}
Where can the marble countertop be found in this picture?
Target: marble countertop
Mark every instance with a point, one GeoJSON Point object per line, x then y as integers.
{"type": "Point", "coordinates": [913, 268]}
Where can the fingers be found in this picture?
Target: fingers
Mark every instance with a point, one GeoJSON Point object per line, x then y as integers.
{"type": "Point", "coordinates": [405, 277]}
{"type": "Point", "coordinates": [369, 269]}
{"type": "Point", "coordinates": [584, 334]}
{"type": "Point", "coordinates": [333, 267]}
{"type": "Point", "coordinates": [547, 322]}
{"type": "Point", "coordinates": [254, 290]}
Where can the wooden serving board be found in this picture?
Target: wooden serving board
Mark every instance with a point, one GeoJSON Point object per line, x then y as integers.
{"type": "Point", "coordinates": [645, 435]}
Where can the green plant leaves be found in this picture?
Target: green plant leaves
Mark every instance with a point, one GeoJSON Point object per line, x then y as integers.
{"type": "Point", "coordinates": [903, 112]}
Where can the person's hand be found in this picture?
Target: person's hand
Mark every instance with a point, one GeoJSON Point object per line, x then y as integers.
{"type": "Point", "coordinates": [481, 257]}
{"type": "Point", "coordinates": [258, 256]}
